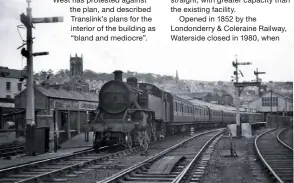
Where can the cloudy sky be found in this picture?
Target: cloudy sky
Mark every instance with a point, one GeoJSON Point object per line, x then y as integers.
{"type": "Point", "coordinates": [193, 60]}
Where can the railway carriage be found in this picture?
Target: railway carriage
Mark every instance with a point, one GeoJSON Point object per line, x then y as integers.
{"type": "Point", "coordinates": [183, 114]}
{"type": "Point", "coordinates": [138, 113]}
{"type": "Point", "coordinates": [229, 117]}
{"type": "Point", "coordinates": [201, 114]}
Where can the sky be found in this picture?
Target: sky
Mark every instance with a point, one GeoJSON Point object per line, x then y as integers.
{"type": "Point", "coordinates": [208, 61]}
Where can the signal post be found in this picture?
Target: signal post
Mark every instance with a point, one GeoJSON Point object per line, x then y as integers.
{"type": "Point", "coordinates": [239, 87]}
{"type": "Point", "coordinates": [28, 21]}
{"type": "Point", "coordinates": [256, 73]}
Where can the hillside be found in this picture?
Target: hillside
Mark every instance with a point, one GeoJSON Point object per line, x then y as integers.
{"type": "Point", "coordinates": [168, 83]}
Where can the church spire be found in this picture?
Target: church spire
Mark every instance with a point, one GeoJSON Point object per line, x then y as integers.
{"type": "Point", "coordinates": [177, 77]}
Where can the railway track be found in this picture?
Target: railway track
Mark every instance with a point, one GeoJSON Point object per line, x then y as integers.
{"type": "Point", "coordinates": [275, 156]}
{"type": "Point", "coordinates": [281, 141]}
{"type": "Point", "coordinates": [11, 149]}
{"type": "Point", "coordinates": [184, 161]}
{"type": "Point", "coordinates": [66, 166]}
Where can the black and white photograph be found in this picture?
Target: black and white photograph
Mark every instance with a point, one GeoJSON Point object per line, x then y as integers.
{"type": "Point", "coordinates": [135, 91]}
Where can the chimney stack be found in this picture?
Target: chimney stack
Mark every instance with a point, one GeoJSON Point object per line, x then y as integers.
{"type": "Point", "coordinates": [118, 75]}
{"type": "Point", "coordinates": [133, 81]}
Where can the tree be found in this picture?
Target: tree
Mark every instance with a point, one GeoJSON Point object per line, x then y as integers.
{"type": "Point", "coordinates": [50, 72]}
{"type": "Point", "coordinates": [43, 75]}
{"type": "Point", "coordinates": [220, 83]}
{"type": "Point", "coordinates": [202, 86]}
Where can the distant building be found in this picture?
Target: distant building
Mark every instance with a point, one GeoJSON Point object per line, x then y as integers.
{"type": "Point", "coordinates": [11, 82]}
{"type": "Point", "coordinates": [75, 81]}
{"type": "Point", "coordinates": [207, 97]}
{"type": "Point", "coordinates": [273, 102]}
{"type": "Point", "coordinates": [76, 65]}
{"type": "Point", "coordinates": [227, 99]}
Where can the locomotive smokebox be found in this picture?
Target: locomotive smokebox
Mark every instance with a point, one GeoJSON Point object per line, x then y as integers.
{"type": "Point", "coordinates": [118, 75]}
{"type": "Point", "coordinates": [132, 81]}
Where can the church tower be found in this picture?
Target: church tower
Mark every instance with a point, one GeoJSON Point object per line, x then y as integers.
{"type": "Point", "coordinates": [177, 77]}
{"type": "Point", "coordinates": [177, 82]}
{"type": "Point", "coordinates": [76, 66]}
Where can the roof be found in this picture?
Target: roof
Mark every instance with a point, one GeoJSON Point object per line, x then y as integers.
{"type": "Point", "coordinates": [288, 97]}
{"type": "Point", "coordinates": [182, 99]}
{"type": "Point", "coordinates": [58, 81]}
{"type": "Point", "coordinates": [67, 94]}
{"type": "Point", "coordinates": [10, 73]}
{"type": "Point", "coordinates": [212, 106]}
{"type": "Point", "coordinates": [199, 95]}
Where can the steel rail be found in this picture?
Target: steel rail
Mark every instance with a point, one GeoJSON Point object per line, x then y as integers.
{"type": "Point", "coordinates": [130, 169]}
{"type": "Point", "coordinates": [283, 143]}
{"type": "Point", "coordinates": [46, 160]}
{"type": "Point", "coordinates": [262, 158]}
{"type": "Point", "coordinates": [188, 167]}
{"type": "Point", "coordinates": [66, 156]}
{"type": "Point", "coordinates": [73, 166]}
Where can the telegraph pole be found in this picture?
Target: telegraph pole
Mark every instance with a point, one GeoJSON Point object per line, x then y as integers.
{"type": "Point", "coordinates": [256, 73]}
{"type": "Point", "coordinates": [28, 21]}
{"type": "Point", "coordinates": [238, 91]}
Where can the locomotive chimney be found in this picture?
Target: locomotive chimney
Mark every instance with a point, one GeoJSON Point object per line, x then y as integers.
{"type": "Point", "coordinates": [132, 81]}
{"type": "Point", "coordinates": [118, 75]}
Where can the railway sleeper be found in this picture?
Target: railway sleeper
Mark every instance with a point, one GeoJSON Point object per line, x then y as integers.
{"type": "Point", "coordinates": [158, 179]}
{"type": "Point", "coordinates": [21, 176]}
{"type": "Point", "coordinates": [139, 175]}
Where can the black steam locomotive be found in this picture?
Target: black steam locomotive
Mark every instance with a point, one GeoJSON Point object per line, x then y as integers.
{"type": "Point", "coordinates": [137, 113]}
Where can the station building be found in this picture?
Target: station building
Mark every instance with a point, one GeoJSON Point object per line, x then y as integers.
{"type": "Point", "coordinates": [71, 109]}
{"type": "Point", "coordinates": [274, 103]}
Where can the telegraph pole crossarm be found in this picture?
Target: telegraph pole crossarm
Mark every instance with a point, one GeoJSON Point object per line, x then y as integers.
{"type": "Point", "coordinates": [28, 22]}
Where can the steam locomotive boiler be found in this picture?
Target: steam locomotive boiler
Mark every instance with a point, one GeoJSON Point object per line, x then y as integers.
{"type": "Point", "coordinates": [122, 117]}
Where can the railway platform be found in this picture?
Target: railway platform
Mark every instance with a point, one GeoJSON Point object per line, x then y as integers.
{"type": "Point", "coordinates": [74, 145]}
{"type": "Point", "coordinates": [78, 141]}
{"type": "Point", "coordinates": [241, 167]}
